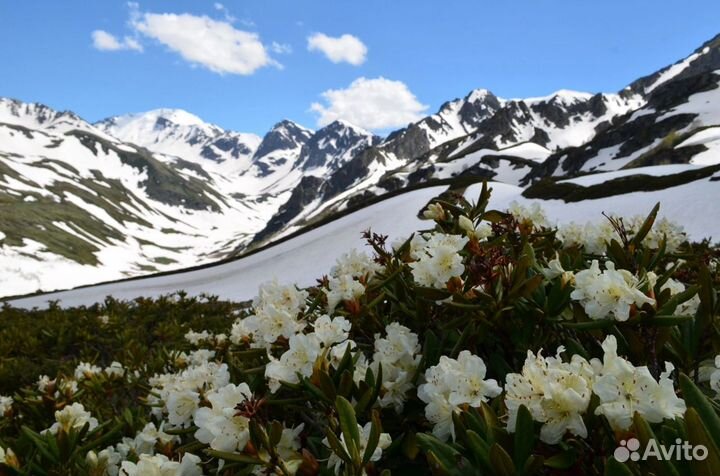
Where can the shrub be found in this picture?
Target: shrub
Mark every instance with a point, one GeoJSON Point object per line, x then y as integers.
{"type": "Point", "coordinates": [487, 344]}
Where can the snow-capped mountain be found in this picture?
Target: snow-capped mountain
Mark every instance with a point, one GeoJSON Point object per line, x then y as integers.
{"type": "Point", "coordinates": [181, 134]}
{"type": "Point", "coordinates": [162, 190]}
{"type": "Point", "coordinates": [80, 206]}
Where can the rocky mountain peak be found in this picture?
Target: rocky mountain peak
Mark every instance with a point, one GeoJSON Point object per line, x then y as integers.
{"type": "Point", "coordinates": [335, 144]}
{"type": "Point", "coordinates": [285, 135]}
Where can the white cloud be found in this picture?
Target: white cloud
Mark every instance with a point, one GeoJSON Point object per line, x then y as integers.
{"type": "Point", "coordinates": [280, 48]}
{"type": "Point", "coordinates": [370, 103]}
{"type": "Point", "coordinates": [346, 48]}
{"type": "Point", "coordinates": [214, 44]}
{"type": "Point", "coordinates": [104, 41]}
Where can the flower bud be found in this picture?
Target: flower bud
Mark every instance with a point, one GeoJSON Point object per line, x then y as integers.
{"type": "Point", "coordinates": [434, 212]}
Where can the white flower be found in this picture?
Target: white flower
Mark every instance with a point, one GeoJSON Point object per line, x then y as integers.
{"type": "Point", "coordinates": [271, 323]}
{"type": "Point", "coordinates": [276, 314]}
{"type": "Point", "coordinates": [7, 456]}
{"type": "Point", "coordinates": [201, 357]}
{"type": "Point", "coordinates": [72, 417]}
{"type": "Point", "coordinates": [181, 405]}
{"type": "Point", "coordinates": [336, 463]}
{"type": "Point", "coordinates": [220, 426]}
{"type": "Point", "coordinates": [687, 308]}
{"type": "Point", "coordinates": [5, 404]}
{"type": "Point", "coordinates": [715, 376]}
{"type": "Point", "coordinates": [481, 231]}
{"type": "Point", "coordinates": [608, 294]}
{"type": "Point", "coordinates": [86, 370]}
{"type": "Point", "coordinates": [673, 233]}
{"type": "Point", "coordinates": [285, 297]}
{"type": "Point", "coordinates": [452, 383]}
{"type": "Point", "coordinates": [434, 211]}
{"type": "Point", "coordinates": [533, 214]}
{"type": "Point", "coordinates": [67, 386]}
{"type": "Point", "coordinates": [593, 237]}
{"type": "Point", "coordinates": [195, 338]}
{"type": "Point", "coordinates": [470, 386]}
{"type": "Point", "coordinates": [43, 383]}
{"type": "Point", "coordinates": [398, 354]}
{"type": "Point", "coordinates": [145, 440]}
{"type": "Point", "coordinates": [160, 465]}
{"type": "Point", "coordinates": [298, 359]}
{"type": "Point", "coordinates": [355, 264]}
{"type": "Point", "coordinates": [331, 331]}
{"type": "Point", "coordinates": [438, 259]}
{"type": "Point", "coordinates": [288, 448]}
{"type": "Point", "coordinates": [624, 389]}
{"type": "Point", "coordinates": [555, 270]}
{"type": "Point", "coordinates": [115, 370]}
{"type": "Point", "coordinates": [556, 394]}
{"type": "Point", "coordinates": [343, 288]}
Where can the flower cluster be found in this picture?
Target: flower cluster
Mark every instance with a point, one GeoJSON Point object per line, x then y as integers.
{"type": "Point", "coordinates": [594, 237]}
{"type": "Point", "coordinates": [608, 294]}
{"type": "Point", "coordinates": [276, 315]}
{"type": "Point", "coordinates": [624, 389]}
{"type": "Point", "coordinates": [397, 355]}
{"type": "Point", "coordinates": [533, 214]}
{"type": "Point", "coordinates": [451, 384]}
{"type": "Point", "coordinates": [72, 417]}
{"type": "Point", "coordinates": [437, 258]}
{"type": "Point", "coordinates": [556, 393]}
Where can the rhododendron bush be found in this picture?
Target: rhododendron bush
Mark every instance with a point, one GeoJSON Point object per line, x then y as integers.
{"type": "Point", "coordinates": [489, 343]}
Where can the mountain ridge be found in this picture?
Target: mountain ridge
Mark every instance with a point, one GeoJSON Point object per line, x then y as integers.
{"type": "Point", "coordinates": [160, 190]}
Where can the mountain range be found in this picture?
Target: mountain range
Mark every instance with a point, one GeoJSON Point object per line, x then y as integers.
{"type": "Point", "coordinates": [143, 193]}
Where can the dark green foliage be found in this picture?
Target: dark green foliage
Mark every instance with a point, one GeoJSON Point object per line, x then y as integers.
{"type": "Point", "coordinates": [53, 340]}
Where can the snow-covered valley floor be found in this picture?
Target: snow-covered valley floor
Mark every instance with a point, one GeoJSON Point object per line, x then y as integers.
{"type": "Point", "coordinates": [307, 257]}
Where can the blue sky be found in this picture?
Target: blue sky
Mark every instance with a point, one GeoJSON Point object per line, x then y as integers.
{"type": "Point", "coordinates": [248, 64]}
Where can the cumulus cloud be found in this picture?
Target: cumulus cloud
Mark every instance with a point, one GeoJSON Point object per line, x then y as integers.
{"type": "Point", "coordinates": [104, 41]}
{"type": "Point", "coordinates": [346, 48]}
{"type": "Point", "coordinates": [213, 44]}
{"type": "Point", "coordinates": [370, 103]}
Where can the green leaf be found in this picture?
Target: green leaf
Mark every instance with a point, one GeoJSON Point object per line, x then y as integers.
{"type": "Point", "coordinates": [326, 385]}
{"type": "Point", "coordinates": [479, 447]}
{"type": "Point", "coordinates": [373, 439]}
{"type": "Point", "coordinates": [645, 435]}
{"type": "Point", "coordinates": [501, 462]}
{"type": "Point", "coordinates": [562, 460]}
{"type": "Point", "coordinates": [590, 325]}
{"type": "Point", "coordinates": [275, 434]}
{"type": "Point", "coordinates": [349, 426]}
{"type": "Point", "coordinates": [445, 456]}
{"type": "Point", "coordinates": [667, 321]}
{"type": "Point", "coordinates": [698, 435]}
{"type": "Point", "coordinates": [235, 457]}
{"type": "Point", "coordinates": [646, 226]}
{"type": "Point", "coordinates": [337, 446]}
{"type": "Point", "coordinates": [524, 437]}
{"type": "Point", "coordinates": [669, 307]}
{"type": "Point", "coordinates": [616, 468]}
{"type": "Point", "coordinates": [694, 398]}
